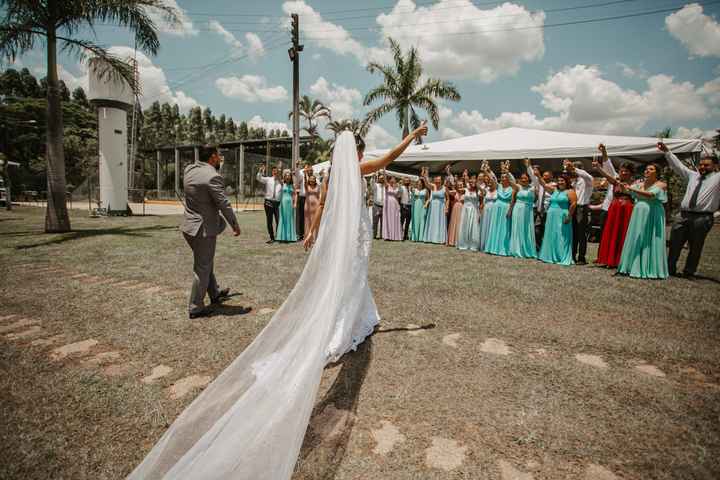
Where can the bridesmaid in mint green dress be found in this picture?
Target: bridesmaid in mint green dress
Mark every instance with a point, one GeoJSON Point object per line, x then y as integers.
{"type": "Point", "coordinates": [470, 220]}
{"type": "Point", "coordinates": [286, 225]}
{"type": "Point", "coordinates": [436, 220]}
{"type": "Point", "coordinates": [643, 254]}
{"type": "Point", "coordinates": [498, 239]}
{"type": "Point", "coordinates": [419, 212]}
{"type": "Point", "coordinates": [522, 236]}
{"type": "Point", "coordinates": [557, 242]}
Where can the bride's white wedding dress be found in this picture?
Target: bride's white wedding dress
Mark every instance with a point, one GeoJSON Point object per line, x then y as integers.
{"type": "Point", "coordinates": [250, 422]}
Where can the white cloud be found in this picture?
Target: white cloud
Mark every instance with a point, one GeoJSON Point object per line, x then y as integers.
{"type": "Point", "coordinates": [699, 33]}
{"type": "Point", "coordinates": [632, 72]}
{"type": "Point", "coordinates": [258, 122]}
{"type": "Point", "coordinates": [254, 47]}
{"type": "Point", "coordinates": [316, 56]}
{"type": "Point", "coordinates": [457, 39]}
{"type": "Point", "coordinates": [71, 81]}
{"type": "Point", "coordinates": [183, 28]}
{"type": "Point", "coordinates": [447, 132]}
{"type": "Point", "coordinates": [582, 100]}
{"type": "Point", "coordinates": [341, 100]}
{"type": "Point", "coordinates": [711, 91]}
{"type": "Point", "coordinates": [251, 88]}
{"type": "Point", "coordinates": [377, 137]}
{"type": "Point", "coordinates": [683, 132]}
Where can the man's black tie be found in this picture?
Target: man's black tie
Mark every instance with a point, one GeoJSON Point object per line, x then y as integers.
{"type": "Point", "coordinates": [696, 193]}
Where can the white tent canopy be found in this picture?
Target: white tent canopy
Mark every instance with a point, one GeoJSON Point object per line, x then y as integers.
{"type": "Point", "coordinates": [545, 147]}
{"type": "Point", "coordinates": [324, 166]}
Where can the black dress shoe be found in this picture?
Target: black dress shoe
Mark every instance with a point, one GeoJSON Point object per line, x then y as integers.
{"type": "Point", "coordinates": [581, 262]}
{"type": "Point", "coordinates": [223, 295]}
{"type": "Point", "coordinates": [203, 312]}
{"type": "Point", "coordinates": [269, 242]}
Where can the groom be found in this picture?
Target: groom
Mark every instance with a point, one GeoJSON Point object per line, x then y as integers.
{"type": "Point", "coordinates": [204, 200]}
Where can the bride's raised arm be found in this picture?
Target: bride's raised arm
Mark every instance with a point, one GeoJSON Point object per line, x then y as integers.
{"type": "Point", "coordinates": [371, 166]}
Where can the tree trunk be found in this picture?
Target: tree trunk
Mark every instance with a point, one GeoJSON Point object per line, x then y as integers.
{"type": "Point", "coordinates": [56, 214]}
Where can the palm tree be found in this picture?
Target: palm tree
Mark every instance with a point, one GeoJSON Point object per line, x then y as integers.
{"type": "Point", "coordinates": [356, 126]}
{"type": "Point", "coordinates": [54, 22]}
{"type": "Point", "coordinates": [400, 91]}
{"type": "Point", "coordinates": [311, 110]}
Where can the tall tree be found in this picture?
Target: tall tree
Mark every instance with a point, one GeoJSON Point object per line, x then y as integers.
{"type": "Point", "coordinates": [59, 22]}
{"type": "Point", "coordinates": [220, 132]}
{"type": "Point", "coordinates": [401, 91]}
{"type": "Point", "coordinates": [231, 129]}
{"type": "Point", "coordinates": [79, 97]}
{"type": "Point", "coordinates": [167, 125]}
{"type": "Point", "coordinates": [209, 125]}
{"type": "Point", "coordinates": [196, 132]}
{"type": "Point", "coordinates": [243, 132]}
{"type": "Point", "coordinates": [311, 110]}
{"type": "Point", "coordinates": [356, 126]}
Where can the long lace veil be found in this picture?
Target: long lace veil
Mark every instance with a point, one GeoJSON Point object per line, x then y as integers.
{"type": "Point", "coordinates": [250, 422]}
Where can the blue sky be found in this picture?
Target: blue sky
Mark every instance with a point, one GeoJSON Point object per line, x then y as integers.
{"type": "Point", "coordinates": [626, 76]}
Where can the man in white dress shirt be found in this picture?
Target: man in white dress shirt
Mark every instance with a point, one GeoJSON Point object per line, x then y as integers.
{"type": "Point", "coordinates": [273, 185]}
{"type": "Point", "coordinates": [542, 203]}
{"type": "Point", "coordinates": [378, 202]}
{"type": "Point", "coordinates": [405, 208]}
{"type": "Point", "coordinates": [582, 182]}
{"type": "Point", "coordinates": [701, 201]}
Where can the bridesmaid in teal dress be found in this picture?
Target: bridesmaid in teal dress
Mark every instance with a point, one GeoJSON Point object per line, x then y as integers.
{"type": "Point", "coordinates": [488, 206]}
{"type": "Point", "coordinates": [522, 236]}
{"type": "Point", "coordinates": [557, 242]}
{"type": "Point", "coordinates": [286, 225]}
{"type": "Point", "coordinates": [436, 221]}
{"type": "Point", "coordinates": [643, 254]}
{"type": "Point", "coordinates": [470, 220]}
{"type": "Point", "coordinates": [420, 195]}
{"type": "Point", "coordinates": [498, 239]}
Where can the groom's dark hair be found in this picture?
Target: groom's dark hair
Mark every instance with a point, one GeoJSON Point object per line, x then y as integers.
{"type": "Point", "coordinates": [359, 143]}
{"type": "Point", "coordinates": [206, 152]}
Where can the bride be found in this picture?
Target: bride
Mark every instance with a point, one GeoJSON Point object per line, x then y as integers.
{"type": "Point", "coordinates": [249, 423]}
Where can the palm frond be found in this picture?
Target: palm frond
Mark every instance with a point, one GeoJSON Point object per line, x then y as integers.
{"type": "Point", "coordinates": [375, 114]}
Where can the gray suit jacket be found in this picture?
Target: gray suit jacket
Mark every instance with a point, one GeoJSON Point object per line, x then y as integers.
{"type": "Point", "coordinates": [204, 200]}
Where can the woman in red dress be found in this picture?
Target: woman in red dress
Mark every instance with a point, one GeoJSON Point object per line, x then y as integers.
{"type": "Point", "coordinates": [619, 213]}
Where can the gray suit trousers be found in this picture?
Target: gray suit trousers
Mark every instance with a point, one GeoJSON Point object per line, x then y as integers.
{"type": "Point", "coordinates": [203, 277]}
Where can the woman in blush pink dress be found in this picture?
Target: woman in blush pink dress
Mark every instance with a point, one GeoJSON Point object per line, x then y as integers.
{"type": "Point", "coordinates": [312, 199]}
{"type": "Point", "coordinates": [391, 227]}
{"type": "Point", "coordinates": [456, 214]}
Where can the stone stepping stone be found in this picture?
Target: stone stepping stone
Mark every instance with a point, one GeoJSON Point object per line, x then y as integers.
{"type": "Point", "coordinates": [103, 357]}
{"type": "Point", "coordinates": [154, 289]}
{"type": "Point", "coordinates": [509, 472]}
{"type": "Point", "coordinates": [118, 369]}
{"type": "Point", "coordinates": [34, 330]}
{"type": "Point", "coordinates": [386, 438]}
{"type": "Point", "coordinates": [495, 346]}
{"type": "Point", "coordinates": [265, 311]}
{"type": "Point", "coordinates": [331, 423]}
{"type": "Point", "coordinates": [44, 342]}
{"type": "Point", "coordinates": [451, 340]}
{"type": "Point", "coordinates": [81, 347]}
{"type": "Point", "coordinates": [445, 454]}
{"type": "Point", "coordinates": [651, 370]}
{"type": "Point", "coordinates": [414, 330]}
{"type": "Point", "coordinates": [122, 283]}
{"type": "Point", "coordinates": [5, 318]}
{"type": "Point", "coordinates": [23, 322]}
{"type": "Point", "coordinates": [597, 472]}
{"type": "Point", "coordinates": [78, 276]}
{"type": "Point", "coordinates": [92, 280]}
{"type": "Point", "coordinates": [592, 360]}
{"type": "Point", "coordinates": [185, 385]}
{"type": "Point", "coordinates": [156, 374]}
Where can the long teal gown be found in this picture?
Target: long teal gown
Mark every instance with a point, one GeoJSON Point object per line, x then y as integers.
{"type": "Point", "coordinates": [436, 221]}
{"type": "Point", "coordinates": [286, 226]}
{"type": "Point", "coordinates": [643, 254]}
{"type": "Point", "coordinates": [419, 212]}
{"type": "Point", "coordinates": [469, 231]}
{"type": "Point", "coordinates": [522, 236]}
{"type": "Point", "coordinates": [488, 207]}
{"type": "Point", "coordinates": [557, 242]}
{"type": "Point", "coordinates": [498, 238]}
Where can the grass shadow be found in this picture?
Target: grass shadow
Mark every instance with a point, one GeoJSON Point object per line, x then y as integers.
{"type": "Point", "coordinates": [327, 438]}
{"type": "Point", "coordinates": [228, 310]}
{"type": "Point", "coordinates": [96, 232]}
{"type": "Point", "coordinates": [429, 326]}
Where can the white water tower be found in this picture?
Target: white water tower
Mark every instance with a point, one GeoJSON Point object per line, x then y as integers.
{"type": "Point", "coordinates": [112, 97]}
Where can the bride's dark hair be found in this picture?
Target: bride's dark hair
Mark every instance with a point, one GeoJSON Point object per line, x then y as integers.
{"type": "Point", "coordinates": [359, 143]}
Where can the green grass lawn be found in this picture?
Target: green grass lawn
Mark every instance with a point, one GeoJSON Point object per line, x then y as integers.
{"type": "Point", "coordinates": [492, 386]}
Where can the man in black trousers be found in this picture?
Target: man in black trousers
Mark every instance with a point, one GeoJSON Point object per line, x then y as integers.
{"type": "Point", "coordinates": [405, 208]}
{"type": "Point", "coordinates": [701, 201]}
{"type": "Point", "coordinates": [273, 185]}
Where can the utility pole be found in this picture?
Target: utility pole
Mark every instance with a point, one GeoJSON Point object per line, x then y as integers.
{"type": "Point", "coordinates": [294, 53]}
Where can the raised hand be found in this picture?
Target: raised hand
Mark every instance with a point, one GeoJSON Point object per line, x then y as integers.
{"type": "Point", "coordinates": [421, 131]}
{"type": "Point", "coordinates": [602, 149]}
{"type": "Point", "coordinates": [526, 162]}
{"type": "Point", "coordinates": [662, 147]}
